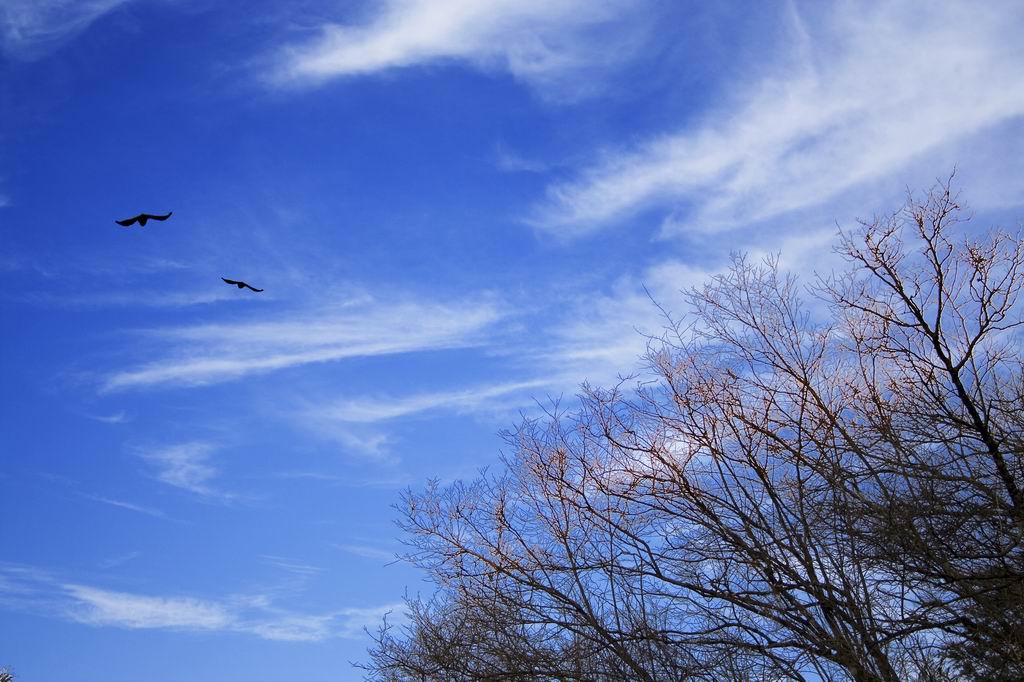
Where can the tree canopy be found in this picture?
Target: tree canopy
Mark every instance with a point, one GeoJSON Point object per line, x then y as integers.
{"type": "Point", "coordinates": [824, 482]}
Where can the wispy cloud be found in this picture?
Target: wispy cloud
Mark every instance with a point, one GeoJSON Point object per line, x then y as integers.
{"type": "Point", "coordinates": [116, 418]}
{"type": "Point", "coordinates": [212, 353]}
{"type": "Point", "coordinates": [292, 565]}
{"type": "Point", "coordinates": [357, 620]}
{"type": "Point", "coordinates": [867, 88]}
{"type": "Point", "coordinates": [539, 41]}
{"type": "Point", "coordinates": [605, 335]}
{"type": "Point", "coordinates": [115, 561]}
{"type": "Point", "coordinates": [355, 423]}
{"type": "Point", "coordinates": [137, 298]}
{"type": "Point", "coordinates": [186, 466]}
{"type": "Point", "coordinates": [510, 161]}
{"type": "Point", "coordinates": [28, 589]}
{"type": "Point", "coordinates": [87, 272]}
{"type": "Point", "coordinates": [388, 482]}
{"type": "Point", "coordinates": [94, 606]}
{"type": "Point", "coordinates": [367, 552]}
{"type": "Point", "coordinates": [252, 615]}
{"type": "Point", "coordinates": [149, 511]}
{"type": "Point", "coordinates": [29, 28]}
{"type": "Point", "coordinates": [466, 400]}
{"type": "Point", "coordinates": [355, 439]}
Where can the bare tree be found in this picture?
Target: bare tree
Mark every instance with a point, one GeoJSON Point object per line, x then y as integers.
{"type": "Point", "coordinates": [807, 493]}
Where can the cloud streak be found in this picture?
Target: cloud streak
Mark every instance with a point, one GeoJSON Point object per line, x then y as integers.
{"type": "Point", "coordinates": [149, 511]}
{"type": "Point", "coordinates": [869, 88]}
{"type": "Point", "coordinates": [186, 466]}
{"type": "Point", "coordinates": [137, 299]}
{"type": "Point", "coordinates": [27, 589]}
{"type": "Point", "coordinates": [215, 353]}
{"type": "Point", "coordinates": [250, 615]}
{"type": "Point", "coordinates": [115, 561]}
{"type": "Point", "coordinates": [367, 552]}
{"type": "Point", "coordinates": [539, 41]}
{"type": "Point", "coordinates": [116, 418]}
{"type": "Point", "coordinates": [29, 28]}
{"type": "Point", "coordinates": [94, 606]}
{"type": "Point", "coordinates": [467, 400]}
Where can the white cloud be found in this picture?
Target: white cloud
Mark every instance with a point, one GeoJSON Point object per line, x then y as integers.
{"type": "Point", "coordinates": [254, 615]}
{"type": "Point", "coordinates": [149, 511]}
{"type": "Point", "coordinates": [511, 161]}
{"type": "Point", "coordinates": [29, 28]}
{"type": "Point", "coordinates": [186, 466]}
{"type": "Point", "coordinates": [293, 566]}
{"type": "Point", "coordinates": [115, 561]}
{"type": "Point", "coordinates": [212, 353]}
{"type": "Point", "coordinates": [468, 400]}
{"type": "Point", "coordinates": [540, 41]}
{"type": "Point", "coordinates": [29, 589]}
{"type": "Point", "coordinates": [389, 482]}
{"type": "Point", "coordinates": [295, 628]}
{"type": "Point", "coordinates": [137, 298]}
{"type": "Point", "coordinates": [356, 620]}
{"type": "Point", "coordinates": [104, 607]}
{"type": "Point", "coordinates": [356, 439]}
{"type": "Point", "coordinates": [352, 422]}
{"type": "Point", "coordinates": [606, 335]}
{"type": "Point", "coordinates": [869, 88]}
{"type": "Point", "coordinates": [21, 582]}
{"type": "Point", "coordinates": [116, 418]}
{"type": "Point", "coordinates": [367, 552]}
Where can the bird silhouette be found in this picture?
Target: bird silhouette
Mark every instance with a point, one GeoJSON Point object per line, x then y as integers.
{"type": "Point", "coordinates": [141, 219]}
{"type": "Point", "coordinates": [241, 284]}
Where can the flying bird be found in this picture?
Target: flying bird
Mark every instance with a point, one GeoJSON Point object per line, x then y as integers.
{"type": "Point", "coordinates": [141, 219]}
{"type": "Point", "coordinates": [241, 284]}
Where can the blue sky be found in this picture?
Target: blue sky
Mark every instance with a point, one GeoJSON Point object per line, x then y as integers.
{"type": "Point", "coordinates": [455, 208]}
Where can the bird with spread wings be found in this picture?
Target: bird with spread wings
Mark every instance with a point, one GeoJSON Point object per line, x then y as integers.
{"type": "Point", "coordinates": [142, 218]}
{"type": "Point", "coordinates": [240, 285]}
